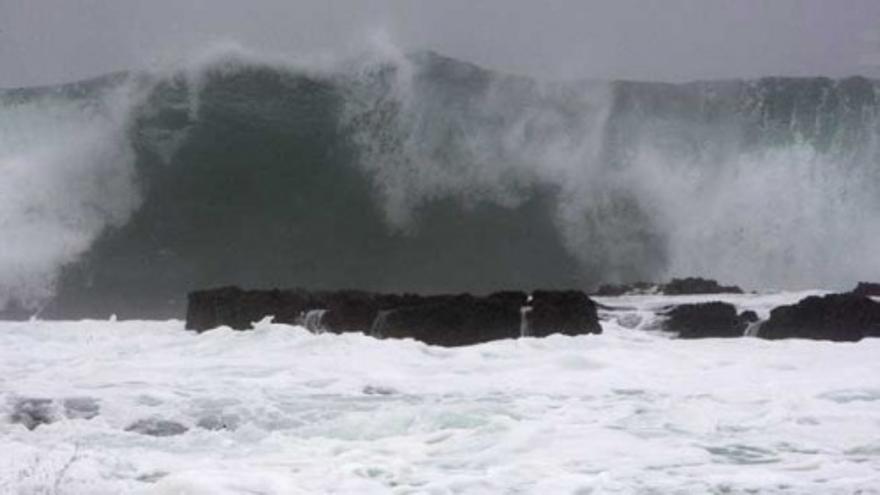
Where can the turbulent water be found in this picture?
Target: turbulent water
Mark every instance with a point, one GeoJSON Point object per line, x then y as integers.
{"type": "Point", "coordinates": [279, 410]}
{"type": "Point", "coordinates": [425, 173]}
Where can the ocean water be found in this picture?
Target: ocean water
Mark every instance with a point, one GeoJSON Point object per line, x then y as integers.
{"type": "Point", "coordinates": [391, 171]}
{"type": "Point", "coordinates": [279, 410]}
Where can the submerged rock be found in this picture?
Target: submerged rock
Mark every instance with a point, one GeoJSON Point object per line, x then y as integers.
{"type": "Point", "coordinates": [218, 422]}
{"type": "Point", "coordinates": [33, 412]}
{"type": "Point", "coordinates": [80, 407]}
{"type": "Point", "coordinates": [157, 428]}
{"type": "Point", "coordinates": [704, 320]}
{"type": "Point", "coordinates": [630, 320]}
{"type": "Point", "coordinates": [836, 317]}
{"type": "Point", "coordinates": [378, 390]}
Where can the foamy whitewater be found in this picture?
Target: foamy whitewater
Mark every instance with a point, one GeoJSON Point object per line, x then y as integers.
{"type": "Point", "coordinates": [279, 410]}
{"type": "Point", "coordinates": [417, 172]}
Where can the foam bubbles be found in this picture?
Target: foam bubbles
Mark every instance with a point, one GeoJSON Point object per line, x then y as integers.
{"type": "Point", "coordinates": [279, 410]}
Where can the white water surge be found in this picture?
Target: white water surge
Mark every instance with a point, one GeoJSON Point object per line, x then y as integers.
{"type": "Point", "coordinates": [313, 320]}
{"type": "Point", "coordinates": [280, 410]}
{"type": "Point", "coordinates": [67, 174]}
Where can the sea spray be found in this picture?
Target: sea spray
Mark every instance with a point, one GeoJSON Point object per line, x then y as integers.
{"type": "Point", "coordinates": [68, 173]}
{"type": "Point", "coordinates": [313, 320]}
{"type": "Point", "coordinates": [398, 172]}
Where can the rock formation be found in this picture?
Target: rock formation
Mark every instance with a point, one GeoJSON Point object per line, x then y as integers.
{"type": "Point", "coordinates": [712, 319]}
{"type": "Point", "coordinates": [447, 320]}
{"type": "Point", "coordinates": [837, 317]}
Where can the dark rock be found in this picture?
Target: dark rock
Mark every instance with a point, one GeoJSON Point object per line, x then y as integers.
{"type": "Point", "coordinates": [151, 477]}
{"type": "Point", "coordinates": [80, 407]}
{"type": "Point", "coordinates": [566, 312]}
{"type": "Point", "coordinates": [239, 309]}
{"type": "Point", "coordinates": [705, 320]}
{"type": "Point", "coordinates": [867, 289]}
{"type": "Point", "coordinates": [465, 319]}
{"type": "Point", "coordinates": [749, 316]}
{"type": "Point", "coordinates": [218, 422]}
{"type": "Point", "coordinates": [453, 321]}
{"type": "Point", "coordinates": [836, 317]}
{"type": "Point", "coordinates": [449, 320]}
{"type": "Point", "coordinates": [157, 428]}
{"type": "Point", "coordinates": [343, 311]}
{"type": "Point", "coordinates": [348, 311]}
{"type": "Point", "coordinates": [33, 412]}
{"type": "Point", "coordinates": [356, 311]}
{"type": "Point", "coordinates": [696, 285]}
{"type": "Point", "coordinates": [514, 298]}
{"type": "Point", "coordinates": [378, 390]}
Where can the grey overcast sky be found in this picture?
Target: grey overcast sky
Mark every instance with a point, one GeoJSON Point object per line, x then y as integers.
{"type": "Point", "coordinates": [46, 41]}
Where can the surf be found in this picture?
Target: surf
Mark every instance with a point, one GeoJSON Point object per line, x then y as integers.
{"type": "Point", "coordinates": [424, 173]}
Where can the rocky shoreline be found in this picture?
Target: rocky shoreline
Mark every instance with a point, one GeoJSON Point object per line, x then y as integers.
{"type": "Point", "coordinates": [839, 317]}
{"type": "Point", "coordinates": [446, 320]}
{"type": "Point", "coordinates": [466, 319]}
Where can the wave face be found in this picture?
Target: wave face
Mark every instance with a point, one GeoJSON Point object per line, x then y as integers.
{"type": "Point", "coordinates": [424, 173]}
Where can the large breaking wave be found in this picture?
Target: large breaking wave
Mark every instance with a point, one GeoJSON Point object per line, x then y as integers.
{"type": "Point", "coordinates": [426, 173]}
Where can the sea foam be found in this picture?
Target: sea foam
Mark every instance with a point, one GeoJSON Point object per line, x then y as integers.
{"type": "Point", "coordinates": [280, 410]}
